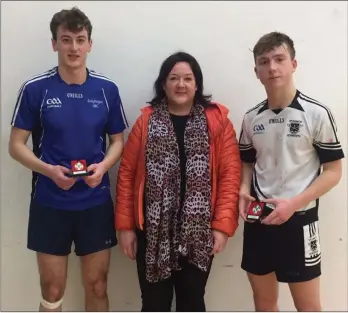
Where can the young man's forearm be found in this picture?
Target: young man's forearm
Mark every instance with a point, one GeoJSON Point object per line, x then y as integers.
{"type": "Point", "coordinates": [113, 154]}
{"type": "Point", "coordinates": [21, 153]}
{"type": "Point", "coordinates": [320, 186]}
{"type": "Point", "coordinates": [247, 173]}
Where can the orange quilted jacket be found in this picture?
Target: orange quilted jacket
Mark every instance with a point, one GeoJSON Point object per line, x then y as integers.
{"type": "Point", "coordinates": [225, 167]}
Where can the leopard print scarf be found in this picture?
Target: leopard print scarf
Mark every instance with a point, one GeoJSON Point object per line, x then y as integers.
{"type": "Point", "coordinates": [170, 230]}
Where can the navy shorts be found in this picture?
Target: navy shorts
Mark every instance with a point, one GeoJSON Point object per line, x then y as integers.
{"type": "Point", "coordinates": [52, 231]}
{"type": "Point", "coordinates": [291, 250]}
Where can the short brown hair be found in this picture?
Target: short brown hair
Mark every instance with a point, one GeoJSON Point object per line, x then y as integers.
{"type": "Point", "coordinates": [274, 40]}
{"type": "Point", "coordinates": [74, 20]}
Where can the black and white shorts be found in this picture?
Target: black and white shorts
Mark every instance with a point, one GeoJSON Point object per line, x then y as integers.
{"type": "Point", "coordinates": [291, 250]}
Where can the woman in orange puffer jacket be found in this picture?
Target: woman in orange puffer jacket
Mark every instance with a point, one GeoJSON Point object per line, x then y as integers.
{"type": "Point", "coordinates": [177, 188]}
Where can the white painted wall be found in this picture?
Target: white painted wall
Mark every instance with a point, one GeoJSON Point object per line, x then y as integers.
{"type": "Point", "coordinates": [131, 39]}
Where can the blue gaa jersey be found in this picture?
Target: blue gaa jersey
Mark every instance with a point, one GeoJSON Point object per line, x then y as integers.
{"type": "Point", "coordinates": [69, 122]}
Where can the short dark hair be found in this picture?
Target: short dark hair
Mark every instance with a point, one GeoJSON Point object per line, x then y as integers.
{"type": "Point", "coordinates": [74, 20]}
{"type": "Point", "coordinates": [165, 69]}
{"type": "Point", "coordinates": [274, 40]}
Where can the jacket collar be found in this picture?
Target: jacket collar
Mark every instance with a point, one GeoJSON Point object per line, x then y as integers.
{"type": "Point", "coordinates": [216, 115]}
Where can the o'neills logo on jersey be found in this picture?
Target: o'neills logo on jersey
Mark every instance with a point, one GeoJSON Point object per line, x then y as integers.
{"type": "Point", "coordinates": [74, 95]}
{"type": "Point", "coordinates": [276, 120]}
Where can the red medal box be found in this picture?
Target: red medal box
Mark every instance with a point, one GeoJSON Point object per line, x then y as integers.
{"type": "Point", "coordinates": [79, 167]}
{"type": "Point", "coordinates": [255, 210]}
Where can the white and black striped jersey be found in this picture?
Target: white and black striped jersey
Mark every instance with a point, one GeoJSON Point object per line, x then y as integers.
{"type": "Point", "coordinates": [288, 146]}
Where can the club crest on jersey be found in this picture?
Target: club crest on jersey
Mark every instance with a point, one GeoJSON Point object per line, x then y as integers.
{"type": "Point", "coordinates": [294, 128]}
{"type": "Point", "coordinates": [95, 103]}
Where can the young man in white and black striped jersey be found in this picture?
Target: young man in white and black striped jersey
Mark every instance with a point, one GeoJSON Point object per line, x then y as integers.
{"type": "Point", "coordinates": [291, 157]}
{"type": "Point", "coordinates": [70, 111]}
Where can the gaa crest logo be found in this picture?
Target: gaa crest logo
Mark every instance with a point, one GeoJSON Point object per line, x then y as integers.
{"type": "Point", "coordinates": [256, 209]}
{"type": "Point", "coordinates": [79, 166]}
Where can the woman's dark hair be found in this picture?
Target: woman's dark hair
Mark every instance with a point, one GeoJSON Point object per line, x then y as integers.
{"type": "Point", "coordinates": [165, 69]}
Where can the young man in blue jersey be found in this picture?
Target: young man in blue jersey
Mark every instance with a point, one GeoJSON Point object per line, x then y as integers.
{"type": "Point", "coordinates": [70, 111]}
{"type": "Point", "coordinates": [291, 157]}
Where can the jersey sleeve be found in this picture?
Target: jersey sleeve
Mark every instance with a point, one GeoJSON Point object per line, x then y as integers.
{"type": "Point", "coordinates": [246, 148]}
{"type": "Point", "coordinates": [26, 113]}
{"type": "Point", "coordinates": [117, 121]}
{"type": "Point", "coordinates": [326, 140]}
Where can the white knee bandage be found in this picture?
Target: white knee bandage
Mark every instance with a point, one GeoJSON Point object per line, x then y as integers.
{"type": "Point", "coordinates": [51, 306]}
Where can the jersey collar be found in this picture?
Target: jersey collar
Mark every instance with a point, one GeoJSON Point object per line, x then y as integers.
{"type": "Point", "coordinates": [78, 85]}
{"type": "Point", "coordinates": [294, 105]}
